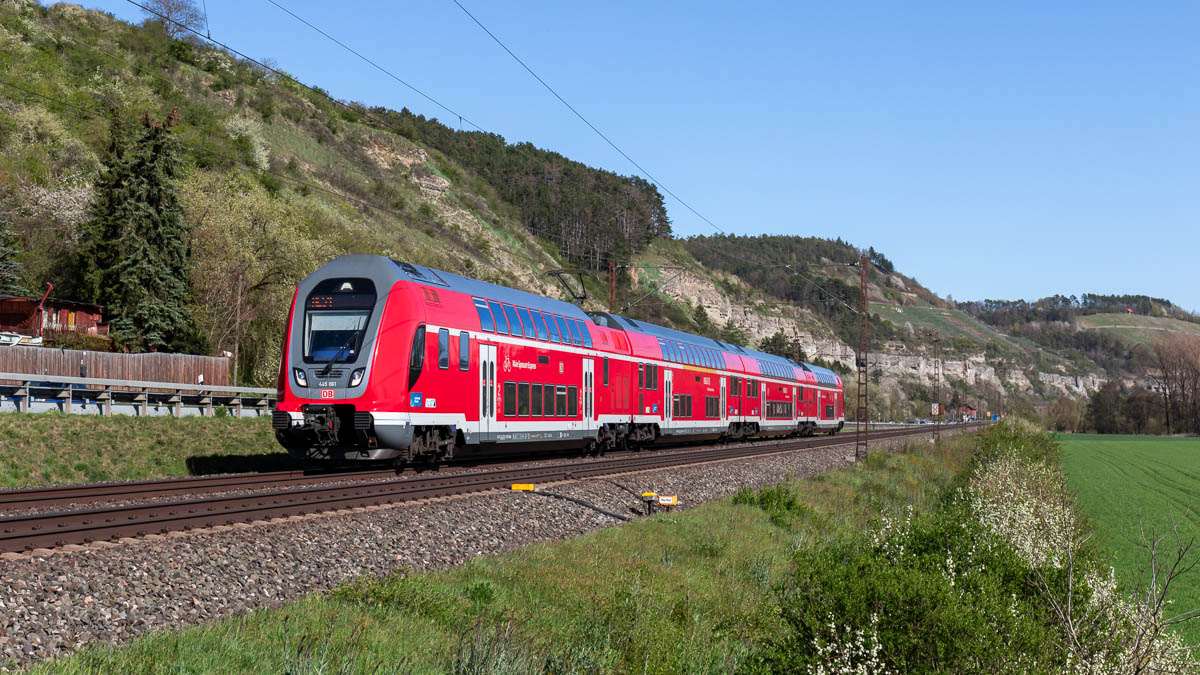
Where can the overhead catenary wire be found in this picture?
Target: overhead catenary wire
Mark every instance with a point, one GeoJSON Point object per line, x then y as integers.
{"type": "Point", "coordinates": [385, 71]}
{"type": "Point", "coordinates": [585, 120]}
{"type": "Point", "coordinates": [384, 124]}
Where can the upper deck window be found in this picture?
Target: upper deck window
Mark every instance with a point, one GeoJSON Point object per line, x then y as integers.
{"type": "Point", "coordinates": [583, 332]}
{"type": "Point", "coordinates": [550, 324]}
{"type": "Point", "coordinates": [501, 322]}
{"type": "Point", "coordinates": [562, 330]}
{"type": "Point", "coordinates": [485, 315]}
{"type": "Point", "coordinates": [541, 325]}
{"type": "Point", "coordinates": [514, 323]}
{"type": "Point", "coordinates": [527, 321]}
{"type": "Point", "coordinates": [575, 339]}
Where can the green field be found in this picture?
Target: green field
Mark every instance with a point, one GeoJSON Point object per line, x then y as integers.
{"type": "Point", "coordinates": [1136, 328]}
{"type": "Point", "coordinates": [1121, 480]}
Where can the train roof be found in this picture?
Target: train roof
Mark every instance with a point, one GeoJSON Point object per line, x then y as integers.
{"type": "Point", "coordinates": [482, 289]}
{"type": "Point", "coordinates": [821, 375]}
{"type": "Point", "coordinates": [474, 287]}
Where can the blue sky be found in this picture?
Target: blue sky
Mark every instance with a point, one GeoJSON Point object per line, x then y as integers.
{"type": "Point", "coordinates": [995, 150]}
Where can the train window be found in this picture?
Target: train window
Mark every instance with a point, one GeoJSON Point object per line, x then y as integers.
{"type": "Point", "coordinates": [523, 399]}
{"type": "Point", "coordinates": [416, 360]}
{"type": "Point", "coordinates": [553, 327]}
{"type": "Point", "coordinates": [583, 332]}
{"type": "Point", "coordinates": [572, 401]}
{"type": "Point", "coordinates": [443, 348]}
{"type": "Point", "coordinates": [548, 399]}
{"type": "Point", "coordinates": [575, 339]}
{"type": "Point", "coordinates": [604, 372]}
{"type": "Point", "coordinates": [561, 404]}
{"type": "Point", "coordinates": [514, 323]}
{"type": "Point", "coordinates": [641, 376]}
{"type": "Point", "coordinates": [733, 386]}
{"type": "Point", "coordinates": [562, 329]}
{"type": "Point", "coordinates": [535, 400]}
{"type": "Point", "coordinates": [541, 325]}
{"type": "Point", "coordinates": [712, 406]}
{"type": "Point", "coordinates": [501, 322]}
{"type": "Point", "coordinates": [464, 350]}
{"type": "Point", "coordinates": [510, 399]}
{"type": "Point", "coordinates": [530, 330]}
{"type": "Point", "coordinates": [485, 316]}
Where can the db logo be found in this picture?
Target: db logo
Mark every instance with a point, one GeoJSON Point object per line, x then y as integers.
{"type": "Point", "coordinates": [326, 393]}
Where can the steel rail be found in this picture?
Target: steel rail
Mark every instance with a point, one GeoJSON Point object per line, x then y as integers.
{"type": "Point", "coordinates": [46, 530]}
{"type": "Point", "coordinates": [81, 493]}
{"type": "Point", "coordinates": [165, 487]}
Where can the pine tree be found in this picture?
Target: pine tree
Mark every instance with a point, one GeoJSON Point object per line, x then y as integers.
{"type": "Point", "coordinates": [10, 251]}
{"type": "Point", "coordinates": [135, 247]}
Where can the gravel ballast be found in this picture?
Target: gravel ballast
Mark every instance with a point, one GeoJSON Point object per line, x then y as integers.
{"type": "Point", "coordinates": [56, 604]}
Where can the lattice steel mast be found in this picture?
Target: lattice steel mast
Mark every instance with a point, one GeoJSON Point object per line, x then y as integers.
{"type": "Point", "coordinates": [862, 424]}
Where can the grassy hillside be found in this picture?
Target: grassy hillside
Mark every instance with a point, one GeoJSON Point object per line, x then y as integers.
{"type": "Point", "coordinates": [1126, 482]}
{"type": "Point", "coordinates": [51, 448]}
{"type": "Point", "coordinates": [277, 178]}
{"type": "Point", "coordinates": [1137, 329]}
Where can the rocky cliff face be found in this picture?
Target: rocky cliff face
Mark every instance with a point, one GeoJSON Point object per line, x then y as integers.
{"type": "Point", "coordinates": [761, 319]}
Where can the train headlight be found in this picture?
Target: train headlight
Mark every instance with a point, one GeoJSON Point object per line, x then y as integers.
{"type": "Point", "coordinates": [356, 377]}
{"type": "Point", "coordinates": [301, 378]}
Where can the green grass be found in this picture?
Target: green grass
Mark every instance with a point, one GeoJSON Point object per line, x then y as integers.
{"type": "Point", "coordinates": [1121, 480]}
{"type": "Point", "coordinates": [1136, 328]}
{"type": "Point", "coordinates": [51, 448]}
{"type": "Point", "coordinates": [950, 323]}
{"type": "Point", "coordinates": [690, 591]}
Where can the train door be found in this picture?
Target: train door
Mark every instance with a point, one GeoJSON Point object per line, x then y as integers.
{"type": "Point", "coordinates": [668, 410]}
{"type": "Point", "coordinates": [724, 409]}
{"type": "Point", "coordinates": [589, 395]}
{"type": "Point", "coordinates": [487, 391]}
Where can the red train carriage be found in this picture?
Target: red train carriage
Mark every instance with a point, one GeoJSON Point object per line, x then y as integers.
{"type": "Point", "coordinates": [388, 360]}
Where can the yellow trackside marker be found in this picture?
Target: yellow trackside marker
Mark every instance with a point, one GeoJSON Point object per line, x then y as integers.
{"type": "Point", "coordinates": [649, 494]}
{"type": "Point", "coordinates": [524, 487]}
{"type": "Point", "coordinates": [668, 500]}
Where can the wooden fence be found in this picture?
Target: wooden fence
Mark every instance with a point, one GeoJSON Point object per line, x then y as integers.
{"type": "Point", "coordinates": [154, 367]}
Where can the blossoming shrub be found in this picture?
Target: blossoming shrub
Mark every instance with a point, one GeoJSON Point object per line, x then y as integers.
{"type": "Point", "coordinates": [931, 593]}
{"type": "Point", "coordinates": [997, 577]}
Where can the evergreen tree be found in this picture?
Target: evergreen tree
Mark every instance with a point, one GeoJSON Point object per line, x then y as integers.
{"type": "Point", "coordinates": [704, 325]}
{"type": "Point", "coordinates": [10, 251]}
{"type": "Point", "coordinates": [778, 344]}
{"type": "Point", "coordinates": [134, 255]}
{"type": "Point", "coordinates": [732, 334]}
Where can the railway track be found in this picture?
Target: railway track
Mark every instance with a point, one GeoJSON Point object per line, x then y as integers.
{"type": "Point", "coordinates": [48, 530]}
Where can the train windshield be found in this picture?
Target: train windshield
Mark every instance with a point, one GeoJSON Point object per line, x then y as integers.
{"type": "Point", "coordinates": [336, 315]}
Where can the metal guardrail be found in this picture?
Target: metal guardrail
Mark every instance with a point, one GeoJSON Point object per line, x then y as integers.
{"type": "Point", "coordinates": [27, 390]}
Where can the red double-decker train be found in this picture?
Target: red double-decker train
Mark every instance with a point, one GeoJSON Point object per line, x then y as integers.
{"type": "Point", "coordinates": [390, 360]}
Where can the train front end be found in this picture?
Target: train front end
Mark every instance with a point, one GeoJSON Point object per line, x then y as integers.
{"type": "Point", "coordinates": [332, 377]}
